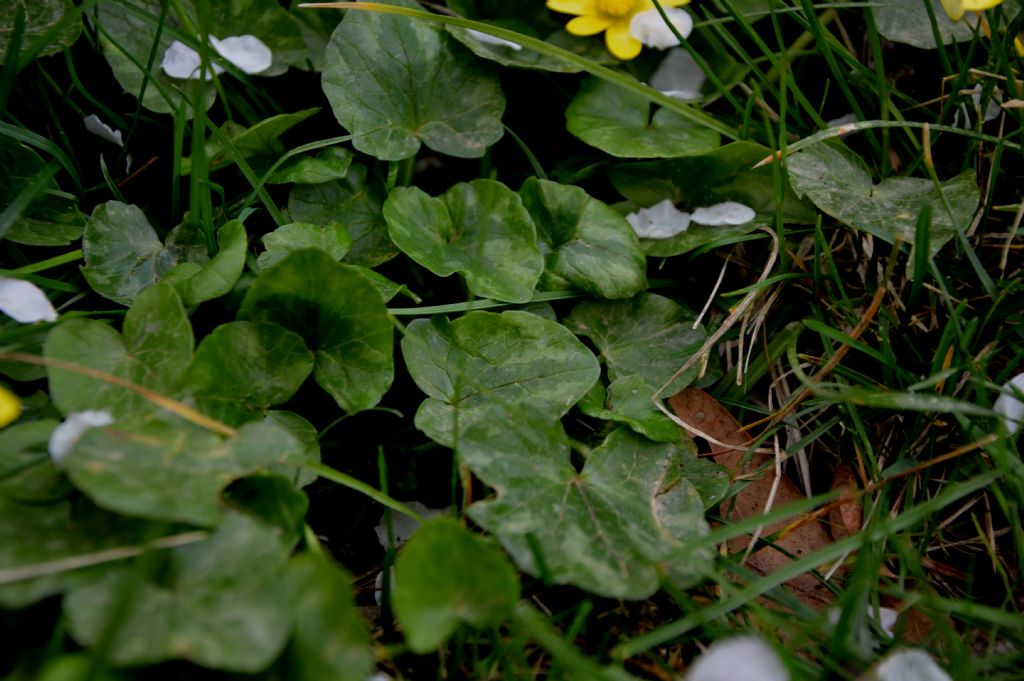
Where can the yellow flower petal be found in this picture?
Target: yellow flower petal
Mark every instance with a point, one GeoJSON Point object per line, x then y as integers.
{"type": "Point", "coordinates": [577, 7]}
{"type": "Point", "coordinates": [980, 5]}
{"type": "Point", "coordinates": [1019, 44]}
{"type": "Point", "coordinates": [619, 41]}
{"type": "Point", "coordinates": [10, 407]}
{"type": "Point", "coordinates": [589, 25]}
{"type": "Point", "coordinates": [954, 8]}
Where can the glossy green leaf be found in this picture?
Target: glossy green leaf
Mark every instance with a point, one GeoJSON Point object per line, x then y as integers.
{"type": "Point", "coordinates": [329, 164]}
{"type": "Point", "coordinates": [586, 244]}
{"type": "Point", "coordinates": [124, 255]}
{"type": "Point", "coordinates": [224, 603]}
{"type": "Point", "coordinates": [243, 368]}
{"type": "Point", "coordinates": [27, 475]}
{"type": "Point", "coordinates": [446, 576]}
{"type": "Point", "coordinates": [340, 315]}
{"type": "Point", "coordinates": [273, 499]}
{"type": "Point", "coordinates": [479, 229]}
{"type": "Point", "coordinates": [330, 640]}
{"type": "Point", "coordinates": [51, 219]}
{"type": "Point", "coordinates": [305, 433]}
{"type": "Point", "coordinates": [40, 17]}
{"type": "Point", "coordinates": [331, 238]}
{"type": "Point", "coordinates": [172, 471]}
{"type": "Point", "coordinates": [609, 528]}
{"type": "Point", "coordinates": [837, 181]}
{"type": "Point", "coordinates": [153, 351]}
{"type": "Point", "coordinates": [620, 123]}
{"type": "Point", "coordinates": [628, 401]}
{"type": "Point", "coordinates": [482, 358]}
{"type": "Point", "coordinates": [908, 21]}
{"type": "Point", "coordinates": [262, 138]}
{"type": "Point", "coordinates": [354, 202]}
{"type": "Point", "coordinates": [649, 336]}
{"type": "Point", "coordinates": [396, 84]}
{"type": "Point", "coordinates": [217, 277]}
{"type": "Point", "coordinates": [725, 174]}
{"type": "Point", "coordinates": [35, 533]}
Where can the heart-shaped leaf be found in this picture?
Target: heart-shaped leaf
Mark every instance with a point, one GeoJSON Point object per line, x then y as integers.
{"type": "Point", "coordinates": [332, 239]}
{"type": "Point", "coordinates": [41, 16]}
{"type": "Point", "coordinates": [395, 83]}
{"type": "Point", "coordinates": [909, 21]}
{"type": "Point", "coordinates": [330, 164]}
{"type": "Point", "coordinates": [608, 528]}
{"type": "Point", "coordinates": [217, 277]}
{"type": "Point", "coordinates": [479, 229]}
{"type": "Point", "coordinates": [628, 400]}
{"type": "Point", "coordinates": [481, 358]}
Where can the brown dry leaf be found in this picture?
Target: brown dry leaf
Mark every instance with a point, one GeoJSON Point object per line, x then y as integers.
{"type": "Point", "coordinates": [705, 413]}
{"type": "Point", "coordinates": [845, 520]}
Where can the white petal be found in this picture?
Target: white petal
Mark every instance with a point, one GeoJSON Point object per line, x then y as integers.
{"type": "Point", "coordinates": [181, 61]}
{"type": "Point", "coordinates": [888, 617]}
{"type": "Point", "coordinates": [97, 127]}
{"type": "Point", "coordinates": [247, 52]}
{"type": "Point", "coordinates": [726, 213]}
{"type": "Point", "coordinates": [743, 658]}
{"type": "Point", "coordinates": [1009, 406]}
{"type": "Point", "coordinates": [489, 39]}
{"type": "Point", "coordinates": [403, 527]}
{"type": "Point", "coordinates": [909, 665]}
{"type": "Point", "coordinates": [649, 28]}
{"type": "Point", "coordinates": [661, 221]}
{"type": "Point", "coordinates": [65, 436]}
{"type": "Point", "coordinates": [25, 302]}
{"type": "Point", "coordinates": [678, 75]}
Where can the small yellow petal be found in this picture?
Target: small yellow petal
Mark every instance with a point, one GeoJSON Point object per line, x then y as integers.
{"type": "Point", "coordinates": [10, 407]}
{"type": "Point", "coordinates": [1019, 44]}
{"type": "Point", "coordinates": [620, 42]}
{"type": "Point", "coordinates": [980, 5]}
{"type": "Point", "coordinates": [577, 7]}
{"type": "Point", "coordinates": [954, 8]}
{"type": "Point", "coordinates": [589, 25]}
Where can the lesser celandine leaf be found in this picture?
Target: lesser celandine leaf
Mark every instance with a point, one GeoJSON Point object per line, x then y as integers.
{"type": "Point", "coordinates": [329, 164]}
{"type": "Point", "coordinates": [261, 139]}
{"type": "Point", "coordinates": [340, 315]}
{"type": "Point", "coordinates": [586, 244]}
{"type": "Point", "coordinates": [482, 358]}
{"type": "Point", "coordinates": [217, 277]}
{"type": "Point", "coordinates": [628, 400]}
{"type": "Point", "coordinates": [306, 435]}
{"type": "Point", "coordinates": [910, 22]}
{"type": "Point", "coordinates": [27, 474]}
{"type": "Point", "coordinates": [446, 576]}
{"type": "Point", "coordinates": [154, 350]}
{"type": "Point", "coordinates": [330, 238]}
{"type": "Point", "coordinates": [620, 123]}
{"type": "Point", "coordinates": [479, 229]}
{"type": "Point", "coordinates": [172, 471]}
{"type": "Point", "coordinates": [452, 104]}
{"type": "Point", "coordinates": [330, 640]}
{"type": "Point", "coordinates": [607, 529]}
{"type": "Point", "coordinates": [224, 603]}
{"type": "Point", "coordinates": [51, 219]}
{"type": "Point", "coordinates": [40, 17]}
{"type": "Point", "coordinates": [837, 181]}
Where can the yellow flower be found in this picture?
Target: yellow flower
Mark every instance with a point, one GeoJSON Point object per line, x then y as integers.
{"type": "Point", "coordinates": [611, 16]}
{"type": "Point", "coordinates": [956, 8]}
{"type": "Point", "coordinates": [10, 407]}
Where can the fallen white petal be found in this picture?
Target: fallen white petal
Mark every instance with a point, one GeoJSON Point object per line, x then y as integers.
{"type": "Point", "coordinates": [489, 39]}
{"type": "Point", "coordinates": [247, 52]}
{"type": "Point", "coordinates": [24, 302]}
{"type": "Point", "coordinates": [181, 61]}
{"type": "Point", "coordinates": [743, 658]}
{"type": "Point", "coordinates": [887, 618]}
{"type": "Point", "coordinates": [65, 436]}
{"type": "Point", "coordinates": [97, 127]}
{"type": "Point", "coordinates": [726, 213]}
{"type": "Point", "coordinates": [678, 75]}
{"type": "Point", "coordinates": [403, 527]}
{"type": "Point", "coordinates": [649, 28]}
{"type": "Point", "coordinates": [909, 665]}
{"type": "Point", "coordinates": [661, 221]}
{"type": "Point", "coordinates": [845, 119]}
{"type": "Point", "coordinates": [1009, 406]}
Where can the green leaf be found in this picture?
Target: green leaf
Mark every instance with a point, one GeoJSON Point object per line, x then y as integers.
{"type": "Point", "coordinates": [331, 239]}
{"type": "Point", "coordinates": [27, 475]}
{"type": "Point", "coordinates": [907, 21]}
{"type": "Point", "coordinates": [354, 202]}
{"type": "Point", "coordinates": [243, 368]}
{"type": "Point", "coordinates": [274, 500]}
{"type": "Point", "coordinates": [224, 603]}
{"type": "Point", "coordinates": [262, 138]}
{"type": "Point", "coordinates": [395, 83]}
{"type": "Point", "coordinates": [584, 46]}
{"type": "Point", "coordinates": [306, 435]}
{"type": "Point", "coordinates": [837, 181]}
{"type": "Point", "coordinates": [52, 218]}
{"type": "Point", "coordinates": [340, 315]}
{"type": "Point", "coordinates": [479, 229]}
{"type": "Point", "coordinates": [619, 123]}
{"type": "Point", "coordinates": [124, 255]}
{"type": "Point", "coordinates": [586, 244]}
{"type": "Point", "coordinates": [154, 350]}
{"type": "Point", "coordinates": [647, 336]}
{"type": "Point", "coordinates": [446, 576]}
{"type": "Point", "coordinates": [329, 164]}
{"type": "Point", "coordinates": [628, 400]}
{"type": "Point", "coordinates": [609, 528]}
{"type": "Point", "coordinates": [330, 640]}
{"type": "Point", "coordinates": [40, 17]}
{"type": "Point", "coordinates": [173, 471]}
{"type": "Point", "coordinates": [217, 277]}
{"type": "Point", "coordinates": [483, 358]}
